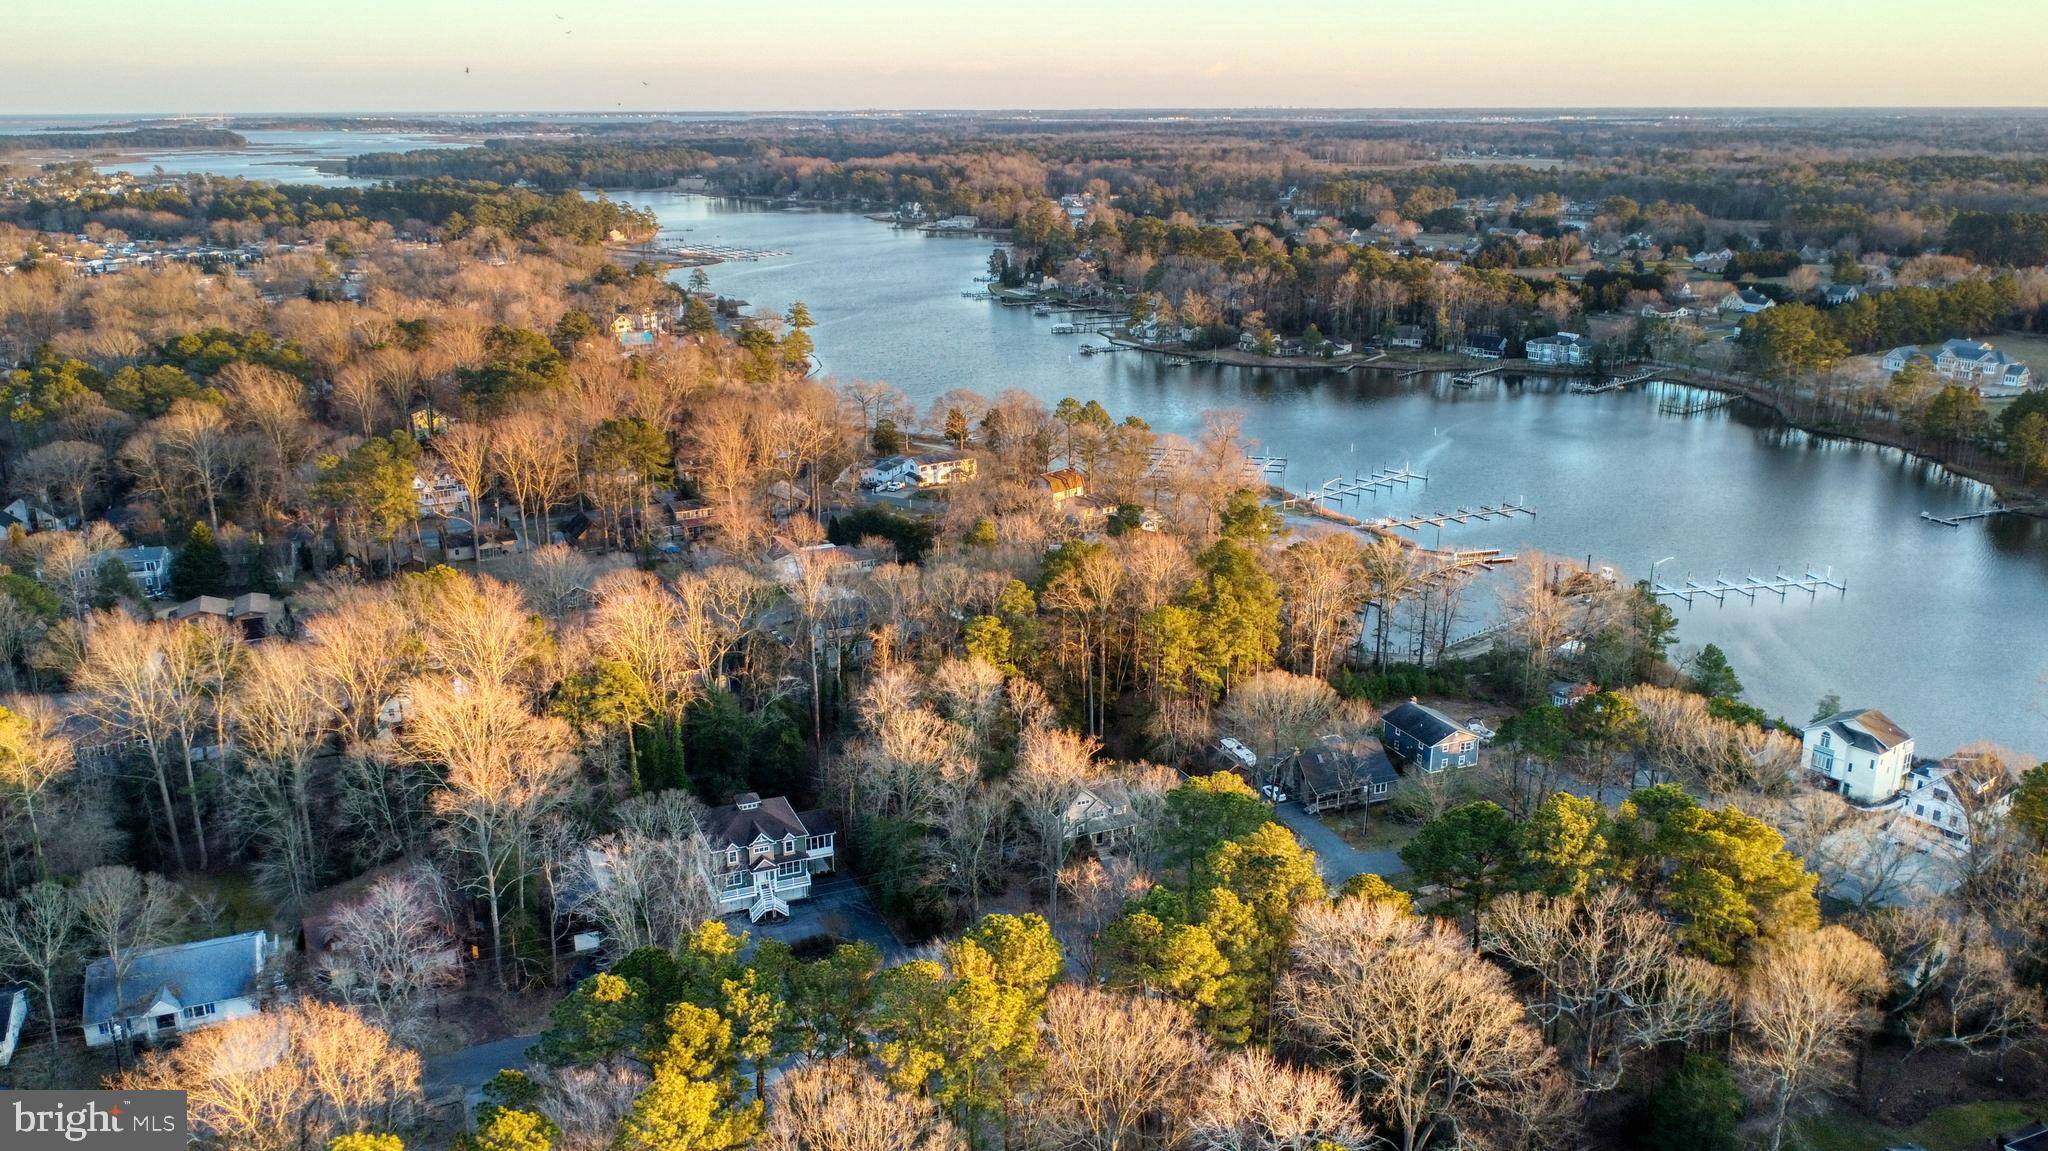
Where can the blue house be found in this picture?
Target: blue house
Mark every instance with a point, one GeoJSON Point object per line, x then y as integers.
{"type": "Point", "coordinates": [1427, 738]}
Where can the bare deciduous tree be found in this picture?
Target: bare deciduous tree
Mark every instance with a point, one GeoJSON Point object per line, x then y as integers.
{"type": "Point", "coordinates": [125, 913]}
{"type": "Point", "coordinates": [1254, 1102]}
{"type": "Point", "coordinates": [41, 931]}
{"type": "Point", "coordinates": [1803, 1002]}
{"type": "Point", "coordinates": [392, 948]}
{"type": "Point", "coordinates": [1610, 979]}
{"type": "Point", "coordinates": [839, 1105]}
{"type": "Point", "coordinates": [647, 884]}
{"type": "Point", "coordinates": [1120, 1070]}
{"type": "Point", "coordinates": [288, 1079]}
{"type": "Point", "coordinates": [1436, 1043]}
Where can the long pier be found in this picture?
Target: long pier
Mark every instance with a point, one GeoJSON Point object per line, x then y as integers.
{"type": "Point", "coordinates": [1594, 388]}
{"type": "Point", "coordinates": [1256, 468]}
{"type": "Point", "coordinates": [1639, 377]}
{"type": "Point", "coordinates": [1467, 379]}
{"type": "Point", "coordinates": [1957, 521]}
{"type": "Point", "coordinates": [1503, 510]}
{"type": "Point", "coordinates": [1780, 585]}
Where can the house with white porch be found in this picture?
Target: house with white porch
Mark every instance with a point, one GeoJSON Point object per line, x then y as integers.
{"type": "Point", "coordinates": [1981, 365]}
{"type": "Point", "coordinates": [762, 854]}
{"type": "Point", "coordinates": [1861, 754]}
{"type": "Point", "coordinates": [1101, 813]}
{"type": "Point", "coordinates": [172, 990]}
{"type": "Point", "coordinates": [937, 469]}
{"type": "Point", "coordinates": [1564, 348]}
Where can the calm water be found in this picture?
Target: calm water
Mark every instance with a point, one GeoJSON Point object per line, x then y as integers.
{"type": "Point", "coordinates": [285, 156]}
{"type": "Point", "coordinates": [1946, 629]}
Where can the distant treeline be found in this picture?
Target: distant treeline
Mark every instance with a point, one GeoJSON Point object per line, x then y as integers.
{"type": "Point", "coordinates": [553, 166]}
{"type": "Point", "coordinates": [452, 207]}
{"type": "Point", "coordinates": [130, 138]}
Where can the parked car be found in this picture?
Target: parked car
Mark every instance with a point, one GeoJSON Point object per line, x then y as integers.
{"type": "Point", "coordinates": [1273, 794]}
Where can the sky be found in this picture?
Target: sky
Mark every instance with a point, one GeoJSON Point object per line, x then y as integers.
{"type": "Point", "coordinates": [224, 56]}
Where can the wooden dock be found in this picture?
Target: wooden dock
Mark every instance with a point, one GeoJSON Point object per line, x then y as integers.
{"type": "Point", "coordinates": [1780, 585]}
{"type": "Point", "coordinates": [1503, 510]}
{"type": "Point", "coordinates": [1595, 387]}
{"type": "Point", "coordinates": [1467, 379]}
{"type": "Point", "coordinates": [1640, 377]}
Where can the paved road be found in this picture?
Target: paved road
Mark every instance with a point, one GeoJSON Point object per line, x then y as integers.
{"type": "Point", "coordinates": [471, 1067]}
{"type": "Point", "coordinates": [1340, 861]}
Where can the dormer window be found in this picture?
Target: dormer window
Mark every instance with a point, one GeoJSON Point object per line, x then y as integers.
{"type": "Point", "coordinates": [788, 843]}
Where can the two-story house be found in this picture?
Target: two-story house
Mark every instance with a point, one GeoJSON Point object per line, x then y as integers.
{"type": "Point", "coordinates": [1102, 813]}
{"type": "Point", "coordinates": [149, 566]}
{"type": "Point", "coordinates": [937, 469]}
{"type": "Point", "coordinates": [1862, 754]}
{"type": "Point", "coordinates": [1427, 738]}
{"type": "Point", "coordinates": [1946, 797]}
{"type": "Point", "coordinates": [175, 989]}
{"type": "Point", "coordinates": [762, 854]}
{"type": "Point", "coordinates": [1563, 348]}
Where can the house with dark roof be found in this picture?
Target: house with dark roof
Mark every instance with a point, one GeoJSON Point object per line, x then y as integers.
{"type": "Point", "coordinates": [1102, 813]}
{"type": "Point", "coordinates": [1747, 302]}
{"type": "Point", "coordinates": [172, 990]}
{"type": "Point", "coordinates": [1331, 775]}
{"type": "Point", "coordinates": [763, 853]}
{"type": "Point", "coordinates": [1861, 754]}
{"type": "Point", "coordinates": [1484, 346]}
{"type": "Point", "coordinates": [1427, 738]}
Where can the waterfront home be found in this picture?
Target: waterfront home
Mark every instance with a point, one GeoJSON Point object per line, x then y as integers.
{"type": "Point", "coordinates": [1152, 331]}
{"type": "Point", "coordinates": [1484, 346]}
{"type": "Point", "coordinates": [1406, 336]}
{"type": "Point", "coordinates": [957, 224]}
{"type": "Point", "coordinates": [937, 469]}
{"type": "Point", "coordinates": [1564, 348]}
{"type": "Point", "coordinates": [1981, 365]}
{"type": "Point", "coordinates": [148, 566]}
{"type": "Point", "coordinates": [1064, 485]}
{"type": "Point", "coordinates": [1897, 359]}
{"type": "Point", "coordinates": [1331, 775]}
{"type": "Point", "coordinates": [1861, 754]}
{"type": "Point", "coordinates": [1747, 302]}
{"type": "Point", "coordinates": [762, 854]}
{"type": "Point", "coordinates": [1946, 796]}
{"type": "Point", "coordinates": [1427, 738]}
{"type": "Point", "coordinates": [172, 990]}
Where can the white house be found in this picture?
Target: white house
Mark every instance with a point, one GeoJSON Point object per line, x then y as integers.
{"type": "Point", "coordinates": [889, 469]}
{"type": "Point", "coordinates": [937, 469]}
{"type": "Point", "coordinates": [1935, 799]}
{"type": "Point", "coordinates": [1972, 362]}
{"type": "Point", "coordinates": [1897, 359]}
{"type": "Point", "coordinates": [176, 989]}
{"type": "Point", "coordinates": [1747, 302]}
{"type": "Point", "coordinates": [957, 224]}
{"type": "Point", "coordinates": [1667, 314]}
{"type": "Point", "coordinates": [1861, 754]}
{"type": "Point", "coordinates": [762, 854]}
{"type": "Point", "coordinates": [440, 494]}
{"type": "Point", "coordinates": [1713, 261]}
{"type": "Point", "coordinates": [1562, 348]}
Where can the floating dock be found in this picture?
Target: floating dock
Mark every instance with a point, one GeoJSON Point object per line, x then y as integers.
{"type": "Point", "coordinates": [1503, 510]}
{"type": "Point", "coordinates": [1780, 585]}
{"type": "Point", "coordinates": [1957, 521]}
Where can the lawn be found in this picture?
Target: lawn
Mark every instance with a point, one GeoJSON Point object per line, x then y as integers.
{"type": "Point", "coordinates": [1959, 1127]}
{"type": "Point", "coordinates": [1374, 832]}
